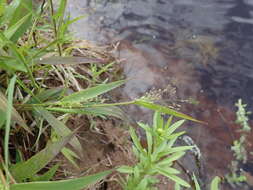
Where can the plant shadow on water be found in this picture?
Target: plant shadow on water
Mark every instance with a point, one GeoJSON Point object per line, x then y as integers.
{"type": "Point", "coordinates": [201, 49]}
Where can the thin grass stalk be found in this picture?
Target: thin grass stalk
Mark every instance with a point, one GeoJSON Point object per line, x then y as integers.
{"type": "Point", "coordinates": [8, 124]}
{"type": "Point", "coordinates": [55, 27]}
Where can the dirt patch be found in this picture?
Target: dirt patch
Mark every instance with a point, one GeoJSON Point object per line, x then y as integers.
{"type": "Point", "coordinates": [105, 146]}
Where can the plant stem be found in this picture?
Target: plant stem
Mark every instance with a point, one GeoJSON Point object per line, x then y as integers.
{"type": "Point", "coordinates": [55, 27]}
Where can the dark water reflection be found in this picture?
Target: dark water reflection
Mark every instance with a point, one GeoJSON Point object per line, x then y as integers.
{"type": "Point", "coordinates": [202, 48]}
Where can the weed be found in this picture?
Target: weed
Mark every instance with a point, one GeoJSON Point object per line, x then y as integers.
{"type": "Point", "coordinates": [157, 158]}
{"type": "Point", "coordinates": [236, 177]}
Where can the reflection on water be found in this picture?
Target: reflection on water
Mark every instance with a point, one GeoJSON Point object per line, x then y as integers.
{"type": "Point", "coordinates": [202, 48]}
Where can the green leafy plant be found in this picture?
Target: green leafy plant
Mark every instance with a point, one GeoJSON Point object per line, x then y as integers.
{"type": "Point", "coordinates": [236, 177]}
{"type": "Point", "coordinates": [157, 158]}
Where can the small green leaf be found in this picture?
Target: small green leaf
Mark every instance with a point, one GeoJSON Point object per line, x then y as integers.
{"type": "Point", "coordinates": [174, 150]}
{"type": "Point", "coordinates": [197, 187]}
{"type": "Point", "coordinates": [12, 31]}
{"type": "Point", "coordinates": [157, 121]}
{"type": "Point", "coordinates": [174, 126]}
{"type": "Point", "coordinates": [178, 180]}
{"type": "Point", "coordinates": [167, 171]}
{"type": "Point", "coordinates": [70, 155]}
{"type": "Point", "coordinates": [171, 158]}
{"type": "Point", "coordinates": [136, 140]}
{"type": "Point", "coordinates": [125, 169]}
{"type": "Point", "coordinates": [47, 175]}
{"type": "Point", "coordinates": [93, 92]}
{"type": "Point", "coordinates": [24, 9]}
{"type": "Point", "coordinates": [215, 183]}
{"type": "Point", "coordinates": [70, 184]}
{"type": "Point", "coordinates": [96, 111]}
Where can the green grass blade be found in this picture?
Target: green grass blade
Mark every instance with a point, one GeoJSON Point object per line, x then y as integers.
{"type": "Point", "coordinates": [47, 95]}
{"type": "Point", "coordinates": [164, 109]}
{"type": "Point", "coordinates": [17, 27]}
{"type": "Point", "coordinates": [71, 184]}
{"type": "Point", "coordinates": [10, 91]}
{"type": "Point", "coordinates": [196, 183]}
{"type": "Point", "coordinates": [95, 111]}
{"type": "Point", "coordinates": [92, 92]}
{"type": "Point", "coordinates": [24, 9]}
{"type": "Point", "coordinates": [60, 128]}
{"type": "Point", "coordinates": [57, 60]}
{"type": "Point", "coordinates": [47, 175]}
{"type": "Point", "coordinates": [29, 168]}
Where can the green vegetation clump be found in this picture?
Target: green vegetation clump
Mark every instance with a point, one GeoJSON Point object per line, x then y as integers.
{"type": "Point", "coordinates": [236, 177]}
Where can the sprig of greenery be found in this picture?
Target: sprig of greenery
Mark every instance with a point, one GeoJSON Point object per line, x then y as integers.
{"type": "Point", "coordinates": [157, 158]}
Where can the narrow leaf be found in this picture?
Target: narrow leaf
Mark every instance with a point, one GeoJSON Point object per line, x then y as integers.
{"type": "Point", "coordinates": [164, 109]}
{"type": "Point", "coordinates": [70, 184]}
{"type": "Point", "coordinates": [93, 92]}
{"type": "Point", "coordinates": [196, 183]}
{"type": "Point", "coordinates": [178, 180]}
{"type": "Point", "coordinates": [125, 169]}
{"type": "Point", "coordinates": [56, 60]}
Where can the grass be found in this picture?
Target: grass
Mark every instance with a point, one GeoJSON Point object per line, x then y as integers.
{"type": "Point", "coordinates": [40, 83]}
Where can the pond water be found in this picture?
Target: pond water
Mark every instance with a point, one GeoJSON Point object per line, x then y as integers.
{"type": "Point", "coordinates": [201, 49]}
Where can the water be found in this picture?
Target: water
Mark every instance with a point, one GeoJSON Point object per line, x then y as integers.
{"type": "Point", "coordinates": [203, 49]}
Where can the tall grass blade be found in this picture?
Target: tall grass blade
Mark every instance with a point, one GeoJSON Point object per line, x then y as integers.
{"type": "Point", "coordinates": [57, 60]}
{"type": "Point", "coordinates": [93, 92]}
{"type": "Point", "coordinates": [24, 9]}
{"type": "Point", "coordinates": [10, 92]}
{"type": "Point", "coordinates": [95, 111]}
{"type": "Point", "coordinates": [17, 28]}
{"type": "Point", "coordinates": [71, 184]}
{"type": "Point", "coordinates": [164, 109]}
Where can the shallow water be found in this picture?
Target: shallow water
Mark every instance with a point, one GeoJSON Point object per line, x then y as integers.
{"type": "Point", "coordinates": [201, 48]}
